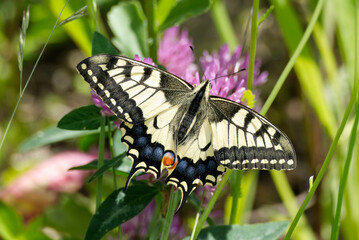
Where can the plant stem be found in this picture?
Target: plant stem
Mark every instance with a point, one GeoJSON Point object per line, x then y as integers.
{"type": "Point", "coordinates": [323, 168]}
{"type": "Point", "coordinates": [252, 47]}
{"type": "Point", "coordinates": [197, 216]}
{"type": "Point", "coordinates": [223, 24]}
{"type": "Point", "coordinates": [293, 59]}
{"type": "Point", "coordinates": [169, 215]}
{"type": "Point", "coordinates": [93, 11]}
{"type": "Point", "coordinates": [211, 202]}
{"type": "Point", "coordinates": [149, 9]}
{"type": "Point", "coordinates": [252, 53]}
{"type": "Point", "coordinates": [236, 192]}
{"type": "Point", "coordinates": [353, 136]}
{"type": "Point", "coordinates": [344, 178]}
{"type": "Point", "coordinates": [28, 79]}
{"type": "Point", "coordinates": [100, 161]}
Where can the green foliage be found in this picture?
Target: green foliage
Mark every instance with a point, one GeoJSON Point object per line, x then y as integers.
{"type": "Point", "coordinates": [116, 162]}
{"type": "Point", "coordinates": [12, 227]}
{"type": "Point", "coordinates": [100, 44]}
{"type": "Point", "coordinates": [267, 231]}
{"type": "Point", "coordinates": [70, 217]}
{"type": "Point", "coordinates": [129, 26]}
{"type": "Point", "coordinates": [52, 135]}
{"type": "Point", "coordinates": [83, 118]}
{"type": "Point", "coordinates": [118, 208]}
{"type": "Point", "coordinates": [181, 11]}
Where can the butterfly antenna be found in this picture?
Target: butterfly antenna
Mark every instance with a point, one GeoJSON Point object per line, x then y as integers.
{"type": "Point", "coordinates": [244, 38]}
{"type": "Point", "coordinates": [234, 73]}
{"type": "Point", "coordinates": [236, 69]}
{"type": "Point", "coordinates": [201, 72]}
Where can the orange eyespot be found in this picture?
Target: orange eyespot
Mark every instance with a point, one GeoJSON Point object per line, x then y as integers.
{"type": "Point", "coordinates": [168, 160]}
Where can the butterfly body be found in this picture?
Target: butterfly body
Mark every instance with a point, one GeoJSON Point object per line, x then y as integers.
{"type": "Point", "coordinates": [169, 124]}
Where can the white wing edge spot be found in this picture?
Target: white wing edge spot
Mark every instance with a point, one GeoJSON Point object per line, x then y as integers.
{"type": "Point", "coordinates": [225, 161]}
{"type": "Point", "coordinates": [154, 173]}
{"type": "Point", "coordinates": [153, 168]}
{"type": "Point", "coordinates": [94, 79]}
{"type": "Point", "coordinates": [134, 152]}
{"type": "Point", "coordinates": [141, 164]}
{"type": "Point", "coordinates": [211, 178]}
{"type": "Point", "coordinates": [174, 180]}
{"type": "Point", "coordinates": [127, 117]}
{"type": "Point", "coordinates": [273, 161]}
{"type": "Point", "coordinates": [89, 72]}
{"type": "Point", "coordinates": [107, 93]}
{"type": "Point", "coordinates": [281, 161]}
{"type": "Point", "coordinates": [254, 161]}
{"type": "Point", "coordinates": [290, 162]}
{"type": "Point", "coordinates": [100, 85]}
{"type": "Point", "coordinates": [83, 66]}
{"type": "Point", "coordinates": [128, 138]}
{"type": "Point", "coordinates": [184, 185]}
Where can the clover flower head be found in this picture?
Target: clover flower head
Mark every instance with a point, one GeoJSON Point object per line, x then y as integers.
{"type": "Point", "coordinates": [174, 52]}
{"type": "Point", "coordinates": [224, 71]}
{"type": "Point", "coordinates": [145, 60]}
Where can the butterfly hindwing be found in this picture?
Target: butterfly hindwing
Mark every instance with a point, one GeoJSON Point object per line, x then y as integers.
{"type": "Point", "coordinates": [197, 165]}
{"type": "Point", "coordinates": [147, 143]}
{"type": "Point", "coordinates": [243, 139]}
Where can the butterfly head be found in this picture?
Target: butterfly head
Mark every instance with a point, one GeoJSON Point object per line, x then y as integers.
{"type": "Point", "coordinates": [205, 88]}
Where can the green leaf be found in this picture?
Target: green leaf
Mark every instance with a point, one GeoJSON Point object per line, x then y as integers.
{"type": "Point", "coordinates": [83, 118]}
{"type": "Point", "coordinates": [265, 231]}
{"type": "Point", "coordinates": [52, 135]}
{"type": "Point", "coordinates": [129, 26]}
{"type": "Point", "coordinates": [163, 9]}
{"type": "Point", "coordinates": [10, 223]}
{"type": "Point", "coordinates": [117, 141]}
{"type": "Point", "coordinates": [115, 162]}
{"type": "Point", "coordinates": [100, 44]}
{"type": "Point", "coordinates": [183, 10]}
{"type": "Point", "coordinates": [90, 166]}
{"type": "Point", "coordinates": [119, 207]}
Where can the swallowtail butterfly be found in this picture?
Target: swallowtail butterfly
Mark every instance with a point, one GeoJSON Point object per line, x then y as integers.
{"type": "Point", "coordinates": [170, 124]}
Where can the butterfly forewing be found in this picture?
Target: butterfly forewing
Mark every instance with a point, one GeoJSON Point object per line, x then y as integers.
{"type": "Point", "coordinates": [243, 139]}
{"type": "Point", "coordinates": [134, 91]}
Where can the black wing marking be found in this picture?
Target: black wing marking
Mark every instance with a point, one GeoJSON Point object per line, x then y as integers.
{"type": "Point", "coordinates": [134, 91]}
{"type": "Point", "coordinates": [243, 139]}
